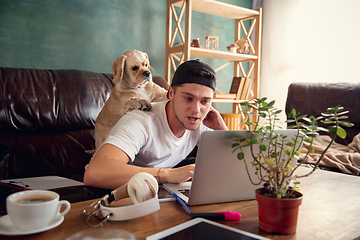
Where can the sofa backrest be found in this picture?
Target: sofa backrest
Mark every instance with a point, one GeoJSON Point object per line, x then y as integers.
{"type": "Point", "coordinates": [314, 98]}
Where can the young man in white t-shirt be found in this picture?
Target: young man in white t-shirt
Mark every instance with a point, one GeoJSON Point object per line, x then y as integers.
{"type": "Point", "coordinates": [157, 140]}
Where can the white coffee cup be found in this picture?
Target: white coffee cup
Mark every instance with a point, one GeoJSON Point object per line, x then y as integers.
{"type": "Point", "coordinates": [34, 209]}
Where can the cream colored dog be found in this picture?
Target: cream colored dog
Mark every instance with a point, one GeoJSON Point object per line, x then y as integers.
{"type": "Point", "coordinates": [134, 89]}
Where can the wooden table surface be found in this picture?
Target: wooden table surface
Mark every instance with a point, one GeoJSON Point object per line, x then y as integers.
{"type": "Point", "coordinates": [330, 210]}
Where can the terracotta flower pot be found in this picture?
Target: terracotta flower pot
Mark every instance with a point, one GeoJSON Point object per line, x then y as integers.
{"type": "Point", "coordinates": [278, 215]}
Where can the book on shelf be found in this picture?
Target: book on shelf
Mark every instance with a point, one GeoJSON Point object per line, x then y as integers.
{"type": "Point", "coordinates": [236, 84]}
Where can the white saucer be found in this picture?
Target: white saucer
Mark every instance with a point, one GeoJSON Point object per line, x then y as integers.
{"type": "Point", "coordinates": [7, 227]}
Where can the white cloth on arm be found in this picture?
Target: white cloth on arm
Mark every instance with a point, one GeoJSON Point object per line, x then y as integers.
{"type": "Point", "coordinates": [148, 140]}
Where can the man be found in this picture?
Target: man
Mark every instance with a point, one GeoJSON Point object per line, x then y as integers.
{"type": "Point", "coordinates": [157, 140]}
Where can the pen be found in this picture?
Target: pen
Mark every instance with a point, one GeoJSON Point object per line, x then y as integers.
{"type": "Point", "coordinates": [218, 216]}
{"type": "Point", "coordinates": [182, 203]}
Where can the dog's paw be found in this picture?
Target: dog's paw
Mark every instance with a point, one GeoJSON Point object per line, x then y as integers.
{"type": "Point", "coordinates": [143, 105]}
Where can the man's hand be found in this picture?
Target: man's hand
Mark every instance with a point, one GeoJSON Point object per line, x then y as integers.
{"type": "Point", "coordinates": [177, 175]}
{"type": "Point", "coordinates": [214, 120]}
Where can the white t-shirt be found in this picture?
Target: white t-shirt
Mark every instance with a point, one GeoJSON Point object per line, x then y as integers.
{"type": "Point", "coordinates": [145, 136]}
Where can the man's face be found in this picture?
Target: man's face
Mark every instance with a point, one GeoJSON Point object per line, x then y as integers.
{"type": "Point", "coordinates": [191, 103]}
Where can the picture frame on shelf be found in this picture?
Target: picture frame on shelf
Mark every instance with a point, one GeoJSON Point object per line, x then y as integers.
{"type": "Point", "coordinates": [212, 42]}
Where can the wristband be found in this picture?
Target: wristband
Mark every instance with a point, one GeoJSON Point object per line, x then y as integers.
{"type": "Point", "coordinates": [159, 175]}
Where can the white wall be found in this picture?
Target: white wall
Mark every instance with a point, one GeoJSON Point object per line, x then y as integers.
{"type": "Point", "coordinates": [308, 41]}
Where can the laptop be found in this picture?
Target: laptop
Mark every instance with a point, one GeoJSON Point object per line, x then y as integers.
{"type": "Point", "coordinates": [218, 175]}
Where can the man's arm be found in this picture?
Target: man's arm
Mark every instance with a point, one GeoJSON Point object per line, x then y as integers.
{"type": "Point", "coordinates": [214, 120]}
{"type": "Point", "coordinates": [109, 169]}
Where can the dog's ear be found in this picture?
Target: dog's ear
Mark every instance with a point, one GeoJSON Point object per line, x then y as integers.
{"type": "Point", "coordinates": [147, 57]}
{"type": "Point", "coordinates": [118, 68]}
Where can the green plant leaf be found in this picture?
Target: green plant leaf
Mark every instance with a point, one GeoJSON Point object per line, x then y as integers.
{"type": "Point", "coordinates": [253, 106]}
{"type": "Point", "coordinates": [342, 113]}
{"type": "Point", "coordinates": [307, 119]}
{"type": "Point", "coordinates": [262, 114]}
{"type": "Point", "coordinates": [240, 155]}
{"type": "Point", "coordinates": [341, 132]}
{"type": "Point", "coordinates": [235, 145]}
{"type": "Point", "coordinates": [328, 114]}
{"type": "Point", "coordinates": [290, 121]}
{"type": "Point", "coordinates": [253, 141]}
{"type": "Point", "coordinates": [346, 124]}
{"type": "Point", "coordinates": [323, 129]}
{"type": "Point", "coordinates": [270, 162]}
{"type": "Point", "coordinates": [335, 109]}
{"type": "Point", "coordinates": [282, 191]}
{"type": "Point", "coordinates": [313, 135]}
{"type": "Point", "coordinates": [262, 147]}
{"type": "Point", "coordinates": [245, 104]}
{"type": "Point", "coordinates": [287, 152]}
{"type": "Point", "coordinates": [271, 103]}
{"type": "Point", "coordinates": [292, 114]}
{"type": "Point", "coordinates": [327, 121]}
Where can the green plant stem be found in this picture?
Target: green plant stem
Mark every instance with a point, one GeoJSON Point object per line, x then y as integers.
{"type": "Point", "coordinates": [319, 160]}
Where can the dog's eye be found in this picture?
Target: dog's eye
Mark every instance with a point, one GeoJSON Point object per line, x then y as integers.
{"type": "Point", "coordinates": [135, 68]}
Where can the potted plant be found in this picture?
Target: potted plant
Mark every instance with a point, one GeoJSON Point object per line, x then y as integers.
{"type": "Point", "coordinates": [274, 158]}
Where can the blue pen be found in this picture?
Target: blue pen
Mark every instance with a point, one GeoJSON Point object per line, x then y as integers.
{"type": "Point", "coordinates": [182, 203]}
{"type": "Point", "coordinates": [218, 216]}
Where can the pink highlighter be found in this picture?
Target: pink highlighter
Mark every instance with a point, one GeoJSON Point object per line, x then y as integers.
{"type": "Point", "coordinates": [218, 216]}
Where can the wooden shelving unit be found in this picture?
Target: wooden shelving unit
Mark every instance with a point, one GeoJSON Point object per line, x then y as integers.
{"type": "Point", "coordinates": [177, 54]}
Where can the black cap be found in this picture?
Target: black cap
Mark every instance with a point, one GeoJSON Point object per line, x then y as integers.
{"type": "Point", "coordinates": [190, 72]}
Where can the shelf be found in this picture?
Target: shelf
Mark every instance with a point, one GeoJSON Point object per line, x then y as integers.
{"type": "Point", "coordinates": [215, 54]}
{"type": "Point", "coordinates": [227, 100]}
{"type": "Point", "coordinates": [206, 53]}
{"type": "Point", "coordinates": [179, 52]}
{"type": "Point", "coordinates": [219, 9]}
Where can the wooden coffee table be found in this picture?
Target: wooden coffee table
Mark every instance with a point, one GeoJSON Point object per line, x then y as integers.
{"type": "Point", "coordinates": [330, 210]}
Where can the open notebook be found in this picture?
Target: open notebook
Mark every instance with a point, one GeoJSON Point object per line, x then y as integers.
{"type": "Point", "coordinates": [219, 176]}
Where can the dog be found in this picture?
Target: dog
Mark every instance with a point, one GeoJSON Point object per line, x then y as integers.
{"type": "Point", "coordinates": [133, 89]}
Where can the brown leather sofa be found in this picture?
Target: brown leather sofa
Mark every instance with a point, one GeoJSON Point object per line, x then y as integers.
{"type": "Point", "coordinates": [314, 98]}
{"type": "Point", "coordinates": [47, 122]}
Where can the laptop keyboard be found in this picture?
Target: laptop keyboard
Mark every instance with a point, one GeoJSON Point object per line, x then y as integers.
{"type": "Point", "coordinates": [186, 192]}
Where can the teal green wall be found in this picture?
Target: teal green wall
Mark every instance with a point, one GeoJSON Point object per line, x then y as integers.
{"type": "Point", "coordinates": [91, 34]}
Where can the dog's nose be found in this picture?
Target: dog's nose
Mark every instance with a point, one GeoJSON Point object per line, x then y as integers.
{"type": "Point", "coordinates": [146, 73]}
